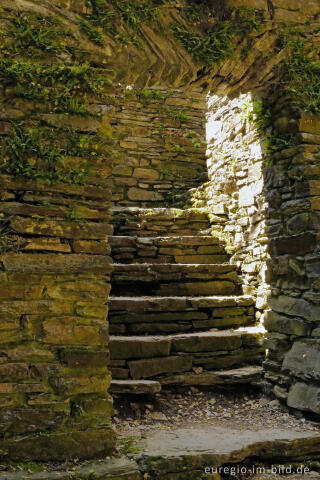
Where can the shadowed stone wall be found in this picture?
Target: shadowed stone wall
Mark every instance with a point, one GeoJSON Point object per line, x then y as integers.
{"type": "Point", "coordinates": [268, 215]}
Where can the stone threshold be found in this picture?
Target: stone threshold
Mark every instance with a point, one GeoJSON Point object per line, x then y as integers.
{"type": "Point", "coordinates": [193, 454]}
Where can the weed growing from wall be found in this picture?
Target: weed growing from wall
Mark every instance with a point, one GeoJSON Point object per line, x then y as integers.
{"type": "Point", "coordinates": [218, 43]}
{"type": "Point", "coordinates": [26, 154]}
{"type": "Point", "coordinates": [301, 72]}
{"type": "Point", "coordinates": [110, 18]}
{"type": "Point", "coordinates": [261, 115]}
{"type": "Point", "coordinates": [37, 34]}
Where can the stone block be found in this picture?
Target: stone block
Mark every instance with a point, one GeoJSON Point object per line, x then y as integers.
{"type": "Point", "coordinates": [274, 322]}
{"type": "Point", "coordinates": [313, 8]}
{"type": "Point", "coordinates": [85, 444]}
{"type": "Point", "coordinates": [139, 347]}
{"type": "Point", "coordinates": [295, 244]}
{"type": "Point", "coordinates": [146, 174]}
{"type": "Point", "coordinates": [155, 366]}
{"type": "Point", "coordinates": [120, 373]}
{"type": "Point", "coordinates": [76, 358]}
{"type": "Point", "coordinates": [92, 247]}
{"type": "Point", "coordinates": [309, 123]}
{"type": "Point", "coordinates": [62, 229]}
{"type": "Point", "coordinates": [88, 383]}
{"type": "Point", "coordinates": [77, 122]}
{"type": "Point", "coordinates": [87, 191]}
{"type": "Point", "coordinates": [144, 195]}
{"type": "Point", "coordinates": [303, 396]}
{"type": "Point", "coordinates": [206, 342]}
{"type": "Point", "coordinates": [289, 16]}
{"type": "Point", "coordinates": [31, 420]}
{"type": "Point", "coordinates": [299, 223]}
{"type": "Point", "coordinates": [51, 263]}
{"type": "Point", "coordinates": [303, 360]}
{"type": "Point", "coordinates": [198, 288]}
{"type": "Point", "coordinates": [33, 308]}
{"type": "Point", "coordinates": [66, 331]}
{"type": "Point", "coordinates": [296, 307]}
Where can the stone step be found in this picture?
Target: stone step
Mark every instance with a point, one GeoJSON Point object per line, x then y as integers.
{"type": "Point", "coordinates": [152, 357]}
{"type": "Point", "coordinates": [188, 249]}
{"type": "Point", "coordinates": [144, 222]}
{"type": "Point", "coordinates": [250, 375]}
{"type": "Point", "coordinates": [168, 315]}
{"type": "Point", "coordinates": [180, 279]}
{"type": "Point", "coordinates": [197, 452]}
{"type": "Point", "coordinates": [141, 387]}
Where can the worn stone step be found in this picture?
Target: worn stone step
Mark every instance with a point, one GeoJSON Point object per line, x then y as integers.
{"type": "Point", "coordinates": [167, 315]}
{"type": "Point", "coordinates": [180, 249]}
{"type": "Point", "coordinates": [197, 452]}
{"type": "Point", "coordinates": [142, 357]}
{"type": "Point", "coordinates": [141, 387]}
{"type": "Point", "coordinates": [176, 453]}
{"type": "Point", "coordinates": [180, 279]}
{"type": "Point", "coordinates": [151, 222]}
{"type": "Point", "coordinates": [244, 375]}
{"type": "Point", "coordinates": [250, 375]}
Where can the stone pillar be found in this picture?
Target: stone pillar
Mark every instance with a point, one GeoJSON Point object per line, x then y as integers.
{"type": "Point", "coordinates": [55, 283]}
{"type": "Point", "coordinates": [293, 319]}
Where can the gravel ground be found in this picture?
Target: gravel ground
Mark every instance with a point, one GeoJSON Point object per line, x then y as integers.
{"type": "Point", "coordinates": [170, 409]}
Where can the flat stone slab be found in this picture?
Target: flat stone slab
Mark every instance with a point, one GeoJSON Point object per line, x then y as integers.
{"type": "Point", "coordinates": [113, 469]}
{"type": "Point", "coordinates": [135, 387]}
{"type": "Point", "coordinates": [161, 213]}
{"type": "Point", "coordinates": [251, 375]}
{"type": "Point", "coordinates": [189, 270]}
{"type": "Point", "coordinates": [173, 304]}
{"type": "Point", "coordinates": [192, 453]}
{"type": "Point", "coordinates": [209, 446]}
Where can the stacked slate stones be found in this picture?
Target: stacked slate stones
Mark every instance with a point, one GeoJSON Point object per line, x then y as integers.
{"type": "Point", "coordinates": [176, 305]}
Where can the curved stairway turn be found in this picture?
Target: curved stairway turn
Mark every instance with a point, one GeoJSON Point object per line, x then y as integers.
{"type": "Point", "coordinates": [176, 305]}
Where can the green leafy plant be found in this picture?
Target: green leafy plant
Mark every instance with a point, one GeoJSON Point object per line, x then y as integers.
{"type": "Point", "coordinates": [249, 18]}
{"type": "Point", "coordinates": [259, 113]}
{"type": "Point", "coordinates": [27, 155]}
{"type": "Point", "coordinates": [301, 72]}
{"type": "Point", "coordinates": [147, 96]}
{"type": "Point", "coordinates": [218, 42]}
{"type": "Point", "coordinates": [211, 49]}
{"type": "Point", "coordinates": [36, 34]}
{"type": "Point", "coordinates": [61, 85]}
{"type": "Point", "coordinates": [93, 33]}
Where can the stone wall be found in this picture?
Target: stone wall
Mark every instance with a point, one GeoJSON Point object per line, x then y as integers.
{"type": "Point", "coordinates": [292, 183]}
{"type": "Point", "coordinates": [268, 216]}
{"type": "Point", "coordinates": [55, 283]}
{"type": "Point", "coordinates": [234, 194]}
{"type": "Point", "coordinates": [55, 267]}
{"type": "Point", "coordinates": [161, 147]}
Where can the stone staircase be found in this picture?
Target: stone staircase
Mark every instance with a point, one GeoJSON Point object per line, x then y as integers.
{"type": "Point", "coordinates": [176, 305]}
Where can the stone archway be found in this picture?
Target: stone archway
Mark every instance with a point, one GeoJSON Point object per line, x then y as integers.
{"type": "Point", "coordinates": [56, 198]}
